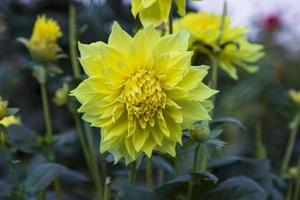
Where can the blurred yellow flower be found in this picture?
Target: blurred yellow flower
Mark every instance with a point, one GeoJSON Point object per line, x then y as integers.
{"type": "Point", "coordinates": [295, 96]}
{"type": "Point", "coordinates": [10, 120]}
{"type": "Point", "coordinates": [155, 11]}
{"type": "Point", "coordinates": [61, 95]}
{"type": "Point", "coordinates": [141, 91]}
{"type": "Point", "coordinates": [230, 47]}
{"type": "Point", "coordinates": [43, 42]}
{"type": "Point", "coordinates": [6, 122]}
{"type": "Point", "coordinates": [3, 108]}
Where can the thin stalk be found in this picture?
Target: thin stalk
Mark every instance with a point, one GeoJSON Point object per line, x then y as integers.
{"type": "Point", "coordinates": [82, 141]}
{"type": "Point", "coordinates": [149, 180]}
{"type": "Point", "coordinates": [98, 176]}
{"type": "Point", "coordinates": [48, 122]}
{"type": "Point", "coordinates": [161, 175]}
{"type": "Point", "coordinates": [177, 163]}
{"type": "Point", "coordinates": [190, 190]}
{"type": "Point", "coordinates": [297, 185]}
{"type": "Point", "coordinates": [73, 41]}
{"type": "Point", "coordinates": [197, 158]}
{"type": "Point", "coordinates": [291, 142]}
{"type": "Point", "coordinates": [49, 135]}
{"type": "Point", "coordinates": [132, 173]}
{"type": "Point", "coordinates": [259, 146]}
{"type": "Point", "coordinates": [171, 20]}
{"type": "Point", "coordinates": [107, 189]}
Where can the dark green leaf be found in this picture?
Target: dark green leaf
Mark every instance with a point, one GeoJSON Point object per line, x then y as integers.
{"type": "Point", "coordinates": [231, 120]}
{"type": "Point", "coordinates": [136, 193]}
{"type": "Point", "coordinates": [5, 189]}
{"type": "Point", "coordinates": [42, 176]}
{"type": "Point", "coordinates": [258, 170]}
{"type": "Point", "coordinates": [237, 188]}
{"type": "Point", "coordinates": [72, 177]}
{"type": "Point", "coordinates": [22, 138]}
{"type": "Point", "coordinates": [12, 111]}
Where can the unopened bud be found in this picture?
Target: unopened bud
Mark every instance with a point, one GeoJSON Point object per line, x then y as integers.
{"type": "Point", "coordinates": [3, 108]}
{"type": "Point", "coordinates": [201, 132]}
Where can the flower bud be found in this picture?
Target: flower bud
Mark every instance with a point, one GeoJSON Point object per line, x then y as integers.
{"type": "Point", "coordinates": [293, 172]}
{"type": "Point", "coordinates": [61, 95]}
{"type": "Point", "coordinates": [201, 132]}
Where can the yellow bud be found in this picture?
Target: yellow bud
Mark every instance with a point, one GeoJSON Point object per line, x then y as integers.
{"type": "Point", "coordinates": [201, 133]}
{"type": "Point", "coordinates": [61, 95]}
{"type": "Point", "coordinates": [3, 108]}
{"type": "Point", "coordinates": [43, 42]}
{"type": "Point", "coordinates": [295, 96]}
{"type": "Point", "coordinates": [3, 138]}
{"type": "Point", "coordinates": [293, 171]}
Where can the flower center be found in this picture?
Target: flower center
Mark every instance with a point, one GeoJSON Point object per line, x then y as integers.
{"type": "Point", "coordinates": [143, 95]}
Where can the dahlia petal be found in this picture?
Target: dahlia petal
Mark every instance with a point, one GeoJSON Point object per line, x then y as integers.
{"type": "Point", "coordinates": [148, 18]}
{"type": "Point", "coordinates": [192, 111]}
{"type": "Point", "coordinates": [139, 139]}
{"type": "Point", "coordinates": [202, 92]}
{"type": "Point", "coordinates": [119, 38]}
{"type": "Point", "coordinates": [149, 146]}
{"type": "Point", "coordinates": [176, 42]}
{"type": "Point", "coordinates": [180, 7]}
{"type": "Point", "coordinates": [192, 78]}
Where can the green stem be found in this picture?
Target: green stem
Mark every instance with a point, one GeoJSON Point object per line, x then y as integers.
{"type": "Point", "coordinates": [260, 147]}
{"type": "Point", "coordinates": [48, 123]}
{"type": "Point", "coordinates": [197, 158]}
{"type": "Point", "coordinates": [297, 185]}
{"type": "Point", "coordinates": [161, 175]}
{"type": "Point", "coordinates": [132, 173]}
{"type": "Point", "coordinates": [49, 135]}
{"type": "Point", "coordinates": [190, 190]}
{"type": "Point", "coordinates": [149, 180]}
{"type": "Point", "coordinates": [107, 189]}
{"type": "Point", "coordinates": [92, 149]}
{"type": "Point", "coordinates": [171, 20]}
{"type": "Point", "coordinates": [73, 41]}
{"type": "Point", "coordinates": [291, 142]}
{"type": "Point", "coordinates": [177, 163]}
{"type": "Point", "coordinates": [82, 142]}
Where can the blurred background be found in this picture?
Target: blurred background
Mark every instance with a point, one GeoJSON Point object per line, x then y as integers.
{"type": "Point", "coordinates": [259, 101]}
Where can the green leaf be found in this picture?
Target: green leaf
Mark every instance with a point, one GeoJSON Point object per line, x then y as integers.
{"type": "Point", "coordinates": [231, 120]}
{"type": "Point", "coordinates": [137, 193]}
{"type": "Point", "coordinates": [5, 189]}
{"type": "Point", "coordinates": [258, 170]}
{"type": "Point", "coordinates": [42, 176]}
{"type": "Point", "coordinates": [202, 184]}
{"type": "Point", "coordinates": [176, 187]}
{"type": "Point", "coordinates": [52, 68]}
{"type": "Point", "coordinates": [39, 73]}
{"type": "Point", "coordinates": [237, 188]}
{"type": "Point", "coordinates": [72, 177]}
{"type": "Point", "coordinates": [12, 111]}
{"type": "Point", "coordinates": [22, 138]}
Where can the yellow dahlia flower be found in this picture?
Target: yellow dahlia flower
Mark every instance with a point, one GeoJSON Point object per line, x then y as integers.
{"type": "Point", "coordinates": [295, 96]}
{"type": "Point", "coordinates": [3, 108]}
{"type": "Point", "coordinates": [155, 11]}
{"type": "Point", "coordinates": [230, 47]}
{"type": "Point", "coordinates": [141, 91]}
{"type": "Point", "coordinates": [43, 42]}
